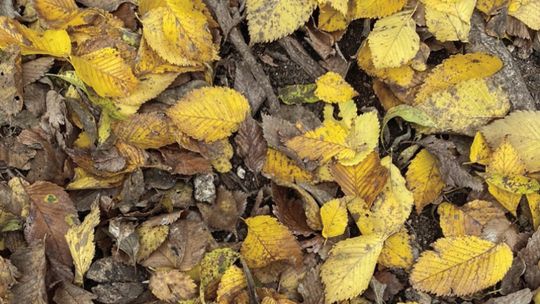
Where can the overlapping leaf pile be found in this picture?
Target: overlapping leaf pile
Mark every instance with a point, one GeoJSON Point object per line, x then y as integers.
{"type": "Point", "coordinates": [130, 177]}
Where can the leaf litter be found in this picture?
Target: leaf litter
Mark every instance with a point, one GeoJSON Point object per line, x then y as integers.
{"type": "Point", "coordinates": [316, 151]}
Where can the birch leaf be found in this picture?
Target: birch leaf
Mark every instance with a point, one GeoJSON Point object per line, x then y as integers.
{"type": "Point", "coordinates": [424, 179]}
{"type": "Point", "coordinates": [332, 88]}
{"type": "Point", "coordinates": [334, 218]}
{"type": "Point", "coordinates": [449, 21]}
{"type": "Point", "coordinates": [397, 251]}
{"type": "Point", "coordinates": [526, 11]}
{"type": "Point", "coordinates": [80, 239]}
{"type": "Point", "coordinates": [461, 266]}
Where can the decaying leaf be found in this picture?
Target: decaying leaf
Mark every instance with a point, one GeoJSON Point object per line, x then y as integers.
{"type": "Point", "coordinates": [232, 283]}
{"type": "Point", "coordinates": [225, 212]}
{"type": "Point", "coordinates": [461, 266]}
{"type": "Point", "coordinates": [172, 285]}
{"type": "Point", "coordinates": [30, 286]}
{"type": "Point", "coordinates": [469, 219]}
{"type": "Point", "coordinates": [251, 145]}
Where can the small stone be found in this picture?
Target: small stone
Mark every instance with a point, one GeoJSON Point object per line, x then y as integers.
{"type": "Point", "coordinates": [241, 172]}
{"type": "Point", "coordinates": [205, 190]}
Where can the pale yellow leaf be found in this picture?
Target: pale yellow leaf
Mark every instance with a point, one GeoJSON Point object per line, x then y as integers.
{"type": "Point", "coordinates": [332, 88]}
{"type": "Point", "coordinates": [269, 241]}
{"type": "Point", "coordinates": [461, 266]}
{"type": "Point", "coordinates": [363, 138]}
{"type": "Point", "coordinates": [397, 251]}
{"type": "Point", "coordinates": [424, 179]}
{"type": "Point", "coordinates": [106, 72]}
{"type": "Point", "coordinates": [84, 180]}
{"type": "Point", "coordinates": [274, 19]}
{"type": "Point", "coordinates": [375, 8]}
{"type": "Point", "coordinates": [334, 218]}
{"type": "Point", "coordinates": [349, 268]}
{"type": "Point", "coordinates": [527, 11]}
{"type": "Point", "coordinates": [209, 113]}
{"type": "Point", "coordinates": [402, 76]}
{"type": "Point", "coordinates": [522, 130]}
{"type": "Point", "coordinates": [533, 200]}
{"type": "Point", "coordinates": [449, 20]}
{"type": "Point", "coordinates": [480, 151]}
{"type": "Point", "coordinates": [80, 239]}
{"type": "Point", "coordinates": [394, 41]}
{"type": "Point", "coordinates": [468, 219]}
{"type": "Point", "coordinates": [341, 6]}
{"type": "Point", "coordinates": [505, 160]}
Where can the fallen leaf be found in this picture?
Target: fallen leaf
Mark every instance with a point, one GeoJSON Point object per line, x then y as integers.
{"type": "Point", "coordinates": [232, 283]}
{"type": "Point", "coordinates": [225, 212]}
{"type": "Point", "coordinates": [334, 218]}
{"type": "Point", "coordinates": [30, 286]}
{"type": "Point", "coordinates": [449, 21]}
{"type": "Point", "coordinates": [332, 88]}
{"type": "Point", "coordinates": [172, 285]}
{"type": "Point", "coordinates": [251, 145]}
{"type": "Point", "coordinates": [68, 293]}
{"type": "Point", "coordinates": [397, 251]}
{"type": "Point", "coordinates": [376, 8]}
{"type": "Point", "coordinates": [424, 179]}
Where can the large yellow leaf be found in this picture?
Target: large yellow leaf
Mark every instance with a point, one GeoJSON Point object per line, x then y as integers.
{"type": "Point", "coordinates": [334, 218]}
{"type": "Point", "coordinates": [394, 41]}
{"type": "Point", "coordinates": [271, 20]}
{"type": "Point", "coordinates": [80, 239]}
{"type": "Point", "coordinates": [281, 168]}
{"type": "Point", "coordinates": [106, 72]}
{"type": "Point", "coordinates": [375, 8]}
{"type": "Point", "coordinates": [456, 69]}
{"type": "Point", "coordinates": [449, 20]}
{"type": "Point", "coordinates": [332, 88]}
{"type": "Point", "coordinates": [527, 11]}
{"type": "Point", "coordinates": [461, 266]}
{"type": "Point", "coordinates": [397, 251]}
{"type": "Point", "coordinates": [480, 151]}
{"type": "Point", "coordinates": [209, 113]}
{"type": "Point", "coordinates": [179, 33]}
{"type": "Point", "coordinates": [55, 12]}
{"type": "Point", "coordinates": [390, 209]}
{"type": "Point", "coordinates": [269, 241]}
{"type": "Point", "coordinates": [424, 179]}
{"type": "Point", "coordinates": [365, 180]}
{"type": "Point", "coordinates": [349, 268]}
{"type": "Point", "coordinates": [146, 131]}
{"type": "Point", "coordinates": [522, 129]}
{"type": "Point", "coordinates": [465, 107]}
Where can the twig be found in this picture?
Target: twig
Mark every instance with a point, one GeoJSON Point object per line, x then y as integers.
{"type": "Point", "coordinates": [223, 16]}
{"type": "Point", "coordinates": [298, 54]}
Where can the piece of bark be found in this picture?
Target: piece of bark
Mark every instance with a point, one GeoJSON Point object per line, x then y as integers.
{"type": "Point", "coordinates": [509, 78]}
{"type": "Point", "coordinates": [298, 54]}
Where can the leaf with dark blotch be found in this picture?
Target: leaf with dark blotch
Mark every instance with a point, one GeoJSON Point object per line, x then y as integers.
{"type": "Point", "coordinates": [35, 69]}
{"type": "Point", "coordinates": [251, 144]}
{"type": "Point", "coordinates": [68, 293]}
{"type": "Point", "coordinates": [107, 270]}
{"type": "Point", "coordinates": [451, 169]}
{"type": "Point", "coordinates": [225, 212]}
{"type": "Point", "coordinates": [51, 213]}
{"type": "Point", "coordinates": [30, 287]}
{"type": "Point", "coordinates": [290, 210]}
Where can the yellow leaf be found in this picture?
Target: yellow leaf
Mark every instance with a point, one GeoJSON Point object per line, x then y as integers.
{"type": "Point", "coordinates": [148, 61]}
{"type": "Point", "coordinates": [334, 218]}
{"type": "Point", "coordinates": [402, 76]}
{"type": "Point", "coordinates": [146, 131]}
{"type": "Point", "coordinates": [397, 251]}
{"type": "Point", "coordinates": [394, 41]}
{"type": "Point", "coordinates": [322, 143]}
{"type": "Point", "coordinates": [526, 11]}
{"type": "Point", "coordinates": [341, 6]}
{"type": "Point", "coordinates": [465, 107]}
{"type": "Point", "coordinates": [365, 180]}
{"type": "Point", "coordinates": [517, 184]}
{"type": "Point", "coordinates": [390, 209]}
{"type": "Point", "coordinates": [456, 69]}
{"type": "Point", "coordinates": [522, 130]}
{"type": "Point", "coordinates": [222, 155]}
{"type": "Point", "coordinates": [363, 138]}
{"type": "Point", "coordinates": [449, 20]}
{"type": "Point", "coordinates": [106, 72]}
{"type": "Point", "coordinates": [424, 179]}
{"type": "Point", "coordinates": [332, 88]}
{"type": "Point", "coordinates": [232, 283]}
{"type": "Point", "coordinates": [268, 241]}
{"type": "Point", "coordinates": [55, 12]}
{"type": "Point", "coordinates": [209, 113]}
{"type": "Point", "coordinates": [489, 7]}
{"type": "Point", "coordinates": [179, 33]}
{"type": "Point", "coordinates": [85, 180]}
{"type": "Point", "coordinates": [172, 285]}
{"type": "Point", "coordinates": [509, 200]}
{"type": "Point", "coordinates": [505, 160]}
{"type": "Point", "coordinates": [349, 268]}
{"type": "Point", "coordinates": [533, 200]}
{"type": "Point", "coordinates": [376, 8]}
{"type": "Point", "coordinates": [467, 220]}
{"type": "Point", "coordinates": [461, 266]}
{"type": "Point", "coordinates": [150, 238]}
{"type": "Point", "coordinates": [331, 20]}
{"type": "Point", "coordinates": [269, 21]}
{"type": "Point", "coordinates": [281, 168]}
{"type": "Point", "coordinates": [149, 86]}
{"type": "Point", "coordinates": [80, 239]}
{"type": "Point", "coordinates": [480, 151]}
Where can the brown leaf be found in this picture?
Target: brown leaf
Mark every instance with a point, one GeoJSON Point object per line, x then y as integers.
{"type": "Point", "coordinates": [290, 210]}
{"type": "Point", "coordinates": [51, 213]}
{"type": "Point", "coordinates": [531, 256]}
{"type": "Point", "coordinates": [224, 213]}
{"type": "Point", "coordinates": [8, 274]}
{"type": "Point", "coordinates": [164, 256]}
{"type": "Point", "coordinates": [125, 236]}
{"type": "Point", "coordinates": [523, 296]}
{"type": "Point", "coordinates": [35, 69]}
{"type": "Point", "coordinates": [107, 5]}
{"type": "Point", "coordinates": [451, 169]}
{"type": "Point", "coordinates": [118, 292]}
{"type": "Point", "coordinates": [311, 287]}
{"type": "Point", "coordinates": [172, 286]}
{"type": "Point", "coordinates": [185, 162]}
{"type": "Point", "coordinates": [11, 82]}
{"type": "Point", "coordinates": [189, 240]}
{"type": "Point", "coordinates": [107, 270]}
{"type": "Point", "coordinates": [30, 287]}
{"type": "Point", "coordinates": [68, 293]}
{"type": "Point", "coordinates": [251, 144]}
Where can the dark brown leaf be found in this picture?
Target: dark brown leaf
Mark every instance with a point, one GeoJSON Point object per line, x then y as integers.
{"type": "Point", "coordinates": [185, 162]}
{"type": "Point", "coordinates": [251, 144]}
{"type": "Point", "coordinates": [189, 241]}
{"type": "Point", "coordinates": [35, 69]}
{"type": "Point", "coordinates": [30, 287]}
{"type": "Point", "coordinates": [108, 270]}
{"type": "Point", "coordinates": [68, 293]}
{"type": "Point", "coordinates": [51, 213]}
{"type": "Point", "coordinates": [311, 287]}
{"type": "Point", "coordinates": [290, 210]}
